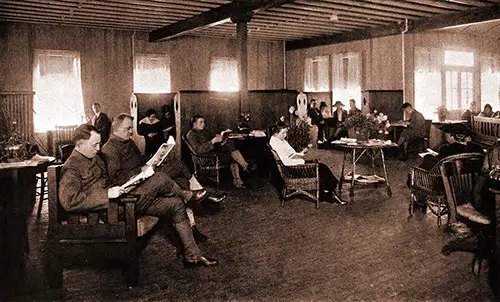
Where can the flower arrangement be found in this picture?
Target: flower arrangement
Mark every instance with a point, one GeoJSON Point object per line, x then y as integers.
{"type": "Point", "coordinates": [299, 136]}
{"type": "Point", "coordinates": [442, 113]}
{"type": "Point", "coordinates": [374, 125]}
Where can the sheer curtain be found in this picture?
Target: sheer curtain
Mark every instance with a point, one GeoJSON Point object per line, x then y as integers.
{"type": "Point", "coordinates": [490, 81]}
{"type": "Point", "coordinates": [428, 86]}
{"type": "Point", "coordinates": [316, 74]}
{"type": "Point", "coordinates": [346, 78]}
{"type": "Point", "coordinates": [58, 89]}
{"type": "Point", "coordinates": [152, 73]}
{"type": "Point", "coordinates": [224, 74]}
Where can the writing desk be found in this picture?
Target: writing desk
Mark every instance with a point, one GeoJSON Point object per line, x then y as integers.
{"type": "Point", "coordinates": [358, 150]}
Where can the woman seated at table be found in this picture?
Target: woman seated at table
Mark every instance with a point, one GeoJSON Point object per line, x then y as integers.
{"type": "Point", "coordinates": [487, 111]}
{"type": "Point", "coordinates": [152, 130]}
{"type": "Point", "coordinates": [289, 157]}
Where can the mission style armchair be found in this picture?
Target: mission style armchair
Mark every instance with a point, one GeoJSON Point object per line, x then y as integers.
{"type": "Point", "coordinates": [298, 180]}
{"type": "Point", "coordinates": [104, 230]}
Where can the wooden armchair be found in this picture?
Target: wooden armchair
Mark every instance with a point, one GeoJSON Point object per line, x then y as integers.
{"type": "Point", "coordinates": [206, 165]}
{"type": "Point", "coordinates": [103, 230]}
{"type": "Point", "coordinates": [298, 180]}
{"type": "Point", "coordinates": [460, 173]}
{"type": "Point", "coordinates": [428, 187]}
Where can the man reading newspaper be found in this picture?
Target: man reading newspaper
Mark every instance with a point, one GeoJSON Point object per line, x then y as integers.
{"type": "Point", "coordinates": [124, 161]}
{"type": "Point", "coordinates": [84, 186]}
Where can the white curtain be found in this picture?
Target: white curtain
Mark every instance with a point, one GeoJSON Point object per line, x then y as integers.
{"type": "Point", "coordinates": [346, 78]}
{"type": "Point", "coordinates": [224, 75]}
{"type": "Point", "coordinates": [428, 87]}
{"type": "Point", "coordinates": [58, 89]}
{"type": "Point", "coordinates": [152, 74]}
{"type": "Point", "coordinates": [316, 74]}
{"type": "Point", "coordinates": [490, 81]}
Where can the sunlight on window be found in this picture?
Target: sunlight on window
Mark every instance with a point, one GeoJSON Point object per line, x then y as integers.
{"type": "Point", "coordinates": [152, 74]}
{"type": "Point", "coordinates": [458, 58]}
{"type": "Point", "coordinates": [346, 78]}
{"type": "Point", "coordinates": [316, 74]}
{"type": "Point", "coordinates": [58, 89]}
{"type": "Point", "coordinates": [490, 81]}
{"type": "Point", "coordinates": [224, 75]}
{"type": "Point", "coordinates": [428, 88]}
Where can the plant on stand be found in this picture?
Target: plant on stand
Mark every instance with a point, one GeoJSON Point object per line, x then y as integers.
{"type": "Point", "coordinates": [369, 126]}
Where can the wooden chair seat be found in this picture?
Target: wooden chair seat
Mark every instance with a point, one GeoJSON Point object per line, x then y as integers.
{"type": "Point", "coordinates": [298, 180]}
{"type": "Point", "coordinates": [112, 231]}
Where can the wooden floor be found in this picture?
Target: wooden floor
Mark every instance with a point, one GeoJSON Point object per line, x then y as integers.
{"type": "Point", "coordinates": [367, 250]}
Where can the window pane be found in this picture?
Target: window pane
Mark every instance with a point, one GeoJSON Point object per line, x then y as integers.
{"type": "Point", "coordinates": [224, 75]}
{"type": "Point", "coordinates": [57, 84]}
{"type": "Point", "coordinates": [316, 77]}
{"type": "Point", "coordinates": [152, 74]}
{"type": "Point", "coordinates": [459, 58]}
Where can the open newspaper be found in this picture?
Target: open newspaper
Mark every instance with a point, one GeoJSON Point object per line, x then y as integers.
{"type": "Point", "coordinates": [148, 170]}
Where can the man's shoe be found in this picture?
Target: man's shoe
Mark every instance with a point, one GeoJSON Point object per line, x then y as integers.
{"type": "Point", "coordinates": [216, 198]}
{"type": "Point", "coordinates": [337, 199]}
{"type": "Point", "coordinates": [198, 195]}
{"type": "Point", "coordinates": [198, 236]}
{"type": "Point", "coordinates": [202, 261]}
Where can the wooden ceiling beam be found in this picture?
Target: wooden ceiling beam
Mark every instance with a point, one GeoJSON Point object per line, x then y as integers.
{"type": "Point", "coordinates": [412, 6]}
{"type": "Point", "coordinates": [317, 20]}
{"type": "Point", "coordinates": [212, 17]}
{"type": "Point", "coordinates": [407, 13]}
{"type": "Point", "coordinates": [414, 26]}
{"type": "Point", "coordinates": [441, 4]}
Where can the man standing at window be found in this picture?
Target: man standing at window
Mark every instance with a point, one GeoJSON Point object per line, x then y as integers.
{"type": "Point", "coordinates": [414, 131]}
{"type": "Point", "coordinates": [101, 122]}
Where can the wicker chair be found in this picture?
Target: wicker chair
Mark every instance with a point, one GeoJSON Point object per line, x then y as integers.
{"type": "Point", "coordinates": [208, 165]}
{"type": "Point", "coordinates": [460, 173]}
{"type": "Point", "coordinates": [428, 186]}
{"type": "Point", "coordinates": [104, 231]}
{"type": "Point", "coordinates": [298, 180]}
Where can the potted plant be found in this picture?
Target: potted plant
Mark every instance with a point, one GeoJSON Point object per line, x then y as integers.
{"type": "Point", "coordinates": [364, 127]}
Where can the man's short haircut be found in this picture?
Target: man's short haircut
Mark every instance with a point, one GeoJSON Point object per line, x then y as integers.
{"type": "Point", "coordinates": [406, 105]}
{"type": "Point", "coordinates": [118, 120]}
{"type": "Point", "coordinates": [195, 118]}
{"type": "Point", "coordinates": [83, 132]}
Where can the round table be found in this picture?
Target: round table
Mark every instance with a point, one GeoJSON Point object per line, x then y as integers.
{"type": "Point", "coordinates": [357, 151]}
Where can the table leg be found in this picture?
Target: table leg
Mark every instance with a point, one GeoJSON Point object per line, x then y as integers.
{"type": "Point", "coordinates": [389, 192]}
{"type": "Point", "coordinates": [353, 180]}
{"type": "Point", "coordinates": [342, 174]}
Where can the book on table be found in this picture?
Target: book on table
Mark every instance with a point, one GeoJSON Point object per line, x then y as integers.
{"type": "Point", "coordinates": [154, 161]}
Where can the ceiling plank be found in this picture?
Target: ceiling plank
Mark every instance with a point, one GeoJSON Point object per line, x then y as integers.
{"type": "Point", "coordinates": [211, 17]}
{"type": "Point", "coordinates": [414, 26]}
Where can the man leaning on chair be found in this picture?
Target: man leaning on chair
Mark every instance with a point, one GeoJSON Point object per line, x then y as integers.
{"type": "Point", "coordinates": [85, 186]}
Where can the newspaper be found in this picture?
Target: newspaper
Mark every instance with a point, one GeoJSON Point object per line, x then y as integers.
{"type": "Point", "coordinates": [148, 171]}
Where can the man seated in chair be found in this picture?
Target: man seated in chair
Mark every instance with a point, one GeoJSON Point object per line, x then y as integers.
{"type": "Point", "coordinates": [414, 132]}
{"type": "Point", "coordinates": [289, 157]}
{"type": "Point", "coordinates": [124, 160]}
{"type": "Point", "coordinates": [85, 186]}
{"type": "Point", "coordinates": [204, 141]}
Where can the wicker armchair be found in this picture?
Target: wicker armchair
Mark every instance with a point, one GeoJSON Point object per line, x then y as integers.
{"type": "Point", "coordinates": [428, 186]}
{"type": "Point", "coordinates": [298, 180]}
{"type": "Point", "coordinates": [206, 165]}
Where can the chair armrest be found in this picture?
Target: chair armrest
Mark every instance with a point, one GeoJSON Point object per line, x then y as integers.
{"type": "Point", "coordinates": [308, 170]}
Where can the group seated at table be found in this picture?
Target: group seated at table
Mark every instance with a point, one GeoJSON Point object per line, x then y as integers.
{"type": "Point", "coordinates": [289, 157]}
{"type": "Point", "coordinates": [88, 182]}
{"type": "Point", "coordinates": [204, 141]}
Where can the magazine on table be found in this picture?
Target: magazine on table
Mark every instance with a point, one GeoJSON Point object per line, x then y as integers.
{"type": "Point", "coordinates": [148, 170]}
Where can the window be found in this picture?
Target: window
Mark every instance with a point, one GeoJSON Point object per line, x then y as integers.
{"type": "Point", "coordinates": [152, 74]}
{"type": "Point", "coordinates": [316, 75]}
{"type": "Point", "coordinates": [346, 78]}
{"type": "Point", "coordinates": [224, 75]}
{"type": "Point", "coordinates": [458, 81]}
{"type": "Point", "coordinates": [428, 86]}
{"type": "Point", "coordinates": [490, 81]}
{"type": "Point", "coordinates": [57, 84]}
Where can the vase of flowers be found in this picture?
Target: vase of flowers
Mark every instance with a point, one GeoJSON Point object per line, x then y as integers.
{"type": "Point", "coordinates": [365, 126]}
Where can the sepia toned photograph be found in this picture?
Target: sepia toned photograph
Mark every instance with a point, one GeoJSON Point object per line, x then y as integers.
{"type": "Point", "coordinates": [250, 150]}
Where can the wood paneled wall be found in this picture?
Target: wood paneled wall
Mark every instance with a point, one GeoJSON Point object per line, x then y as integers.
{"type": "Point", "coordinates": [382, 58]}
{"type": "Point", "coordinates": [107, 60]}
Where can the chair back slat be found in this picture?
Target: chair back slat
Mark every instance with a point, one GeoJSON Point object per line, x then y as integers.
{"type": "Point", "coordinates": [113, 213]}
